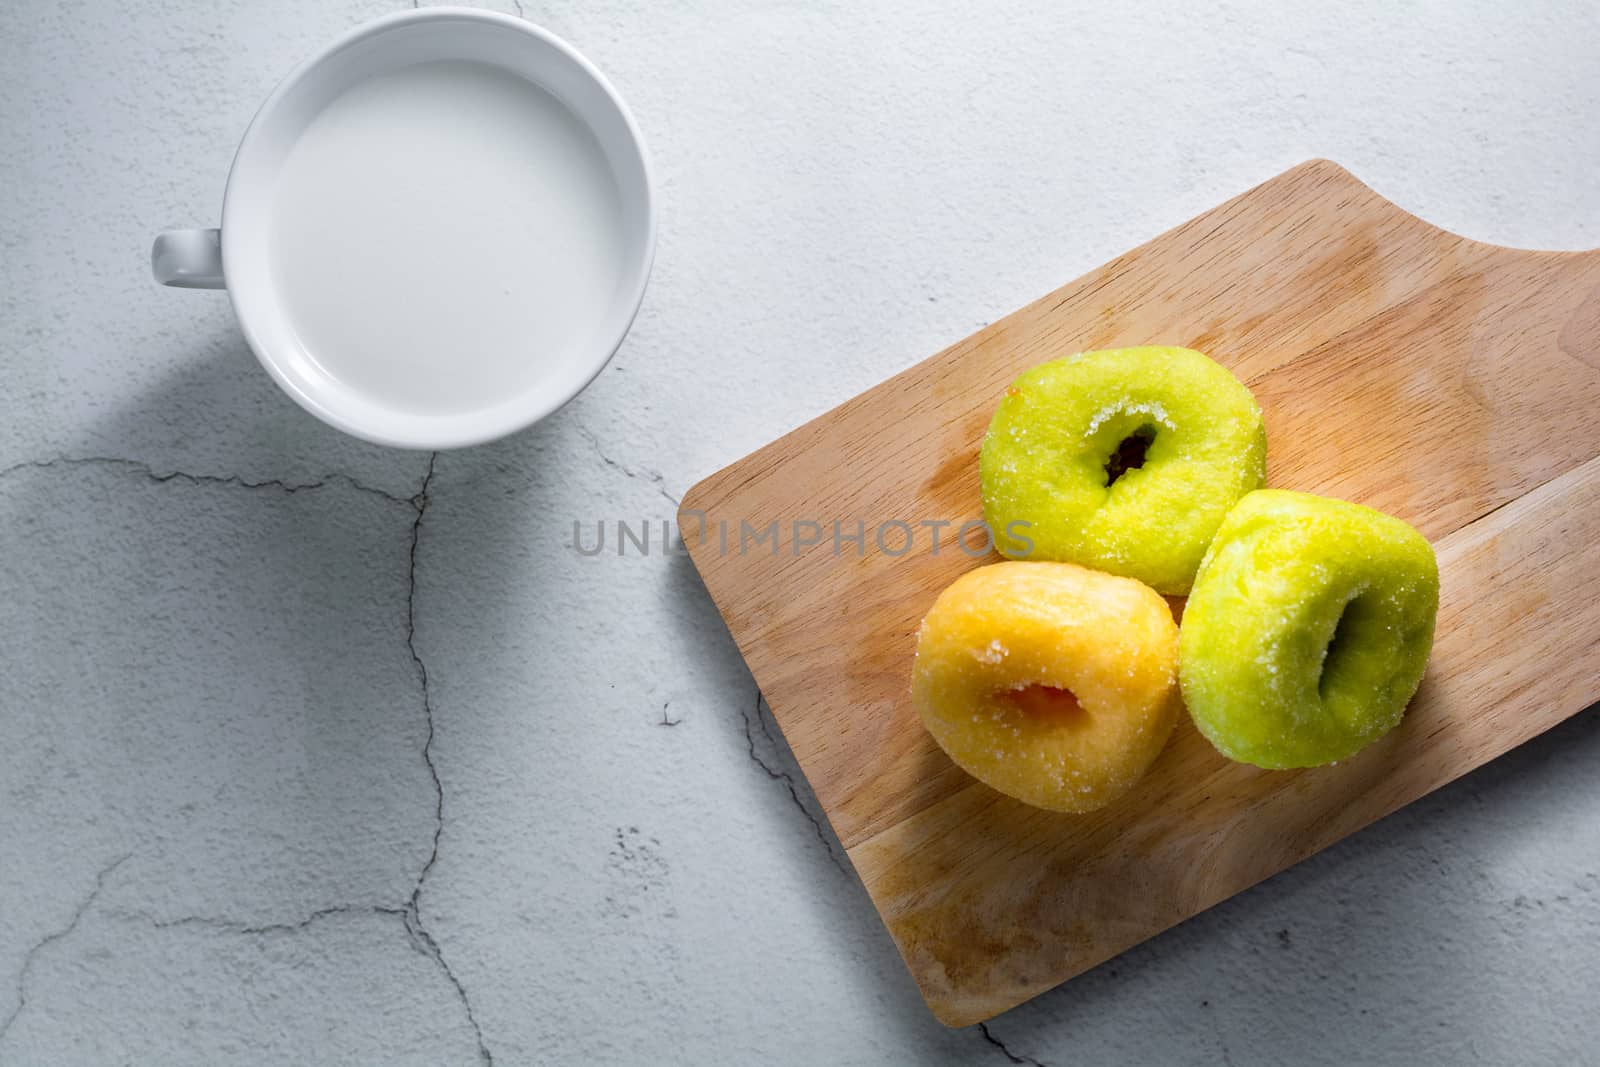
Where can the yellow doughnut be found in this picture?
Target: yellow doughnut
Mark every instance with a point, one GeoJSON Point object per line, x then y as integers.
{"type": "Point", "coordinates": [1050, 682]}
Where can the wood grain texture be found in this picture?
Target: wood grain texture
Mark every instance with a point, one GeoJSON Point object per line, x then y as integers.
{"type": "Point", "coordinates": [1452, 383]}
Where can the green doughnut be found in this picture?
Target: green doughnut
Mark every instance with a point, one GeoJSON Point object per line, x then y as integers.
{"type": "Point", "coordinates": [1061, 464]}
{"type": "Point", "coordinates": [1308, 629]}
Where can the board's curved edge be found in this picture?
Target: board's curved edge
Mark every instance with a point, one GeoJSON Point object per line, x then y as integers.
{"type": "Point", "coordinates": [1343, 173]}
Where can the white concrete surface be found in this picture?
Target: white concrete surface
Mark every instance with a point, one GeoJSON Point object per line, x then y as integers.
{"type": "Point", "coordinates": [311, 758]}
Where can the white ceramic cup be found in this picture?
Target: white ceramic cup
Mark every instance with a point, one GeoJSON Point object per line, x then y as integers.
{"type": "Point", "coordinates": [237, 257]}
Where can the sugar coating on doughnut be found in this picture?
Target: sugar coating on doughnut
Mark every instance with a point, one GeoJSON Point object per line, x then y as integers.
{"type": "Point", "coordinates": [1053, 491]}
{"type": "Point", "coordinates": [1050, 682]}
{"type": "Point", "coordinates": [1308, 629]}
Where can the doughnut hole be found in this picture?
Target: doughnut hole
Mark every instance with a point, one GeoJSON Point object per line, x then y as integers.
{"type": "Point", "coordinates": [1130, 453]}
{"type": "Point", "coordinates": [1049, 704]}
{"type": "Point", "coordinates": [1049, 682]}
{"type": "Point", "coordinates": [1341, 658]}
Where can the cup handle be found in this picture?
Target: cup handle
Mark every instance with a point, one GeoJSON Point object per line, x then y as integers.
{"type": "Point", "coordinates": [188, 259]}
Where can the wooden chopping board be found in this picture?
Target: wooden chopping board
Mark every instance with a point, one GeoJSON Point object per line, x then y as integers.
{"type": "Point", "coordinates": [1451, 383]}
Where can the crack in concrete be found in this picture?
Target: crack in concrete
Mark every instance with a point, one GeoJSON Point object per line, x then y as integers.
{"type": "Point", "coordinates": [753, 721]}
{"type": "Point", "coordinates": [420, 939]}
{"type": "Point", "coordinates": [420, 503]}
{"type": "Point", "coordinates": [235, 926]}
{"type": "Point", "coordinates": [1025, 1061]}
{"type": "Point", "coordinates": [649, 474]}
{"type": "Point", "coordinates": [412, 913]}
{"type": "Point", "coordinates": [163, 477]}
{"type": "Point", "coordinates": [426, 944]}
{"type": "Point", "coordinates": [49, 939]}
